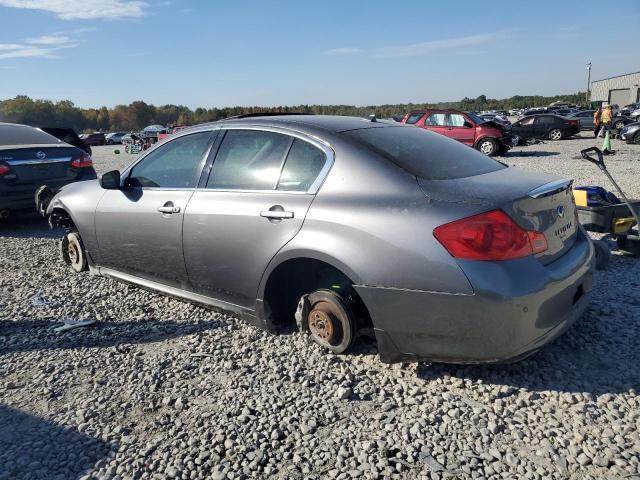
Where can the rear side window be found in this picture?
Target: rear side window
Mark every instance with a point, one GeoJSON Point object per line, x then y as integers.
{"type": "Point", "coordinates": [302, 167]}
{"type": "Point", "coordinates": [175, 164]}
{"type": "Point", "coordinates": [436, 119]}
{"type": "Point", "coordinates": [23, 135]}
{"type": "Point", "coordinates": [249, 160]}
{"type": "Point", "coordinates": [545, 120]}
{"type": "Point", "coordinates": [425, 154]}
{"type": "Point", "coordinates": [455, 120]}
{"type": "Point", "coordinates": [414, 117]}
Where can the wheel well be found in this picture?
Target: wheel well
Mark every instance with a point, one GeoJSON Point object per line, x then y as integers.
{"type": "Point", "coordinates": [296, 277]}
{"type": "Point", "coordinates": [61, 219]}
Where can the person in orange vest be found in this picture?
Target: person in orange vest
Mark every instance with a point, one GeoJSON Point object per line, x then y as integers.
{"type": "Point", "coordinates": [597, 121]}
{"type": "Point", "coordinates": [606, 119]}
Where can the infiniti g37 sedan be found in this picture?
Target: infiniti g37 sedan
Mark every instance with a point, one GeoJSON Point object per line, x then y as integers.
{"type": "Point", "coordinates": [346, 226]}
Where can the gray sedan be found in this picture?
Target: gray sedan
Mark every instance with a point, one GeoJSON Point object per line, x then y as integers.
{"type": "Point", "coordinates": [346, 226]}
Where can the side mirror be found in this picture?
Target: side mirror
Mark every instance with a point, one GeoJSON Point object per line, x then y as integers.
{"type": "Point", "coordinates": [110, 180]}
{"type": "Point", "coordinates": [467, 124]}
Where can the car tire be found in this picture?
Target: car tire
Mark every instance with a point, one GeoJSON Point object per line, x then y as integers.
{"type": "Point", "coordinates": [73, 252]}
{"type": "Point", "coordinates": [110, 142]}
{"type": "Point", "coordinates": [555, 134]}
{"type": "Point", "coordinates": [619, 125]}
{"type": "Point", "coordinates": [329, 321]}
{"type": "Point", "coordinates": [603, 254]}
{"type": "Point", "coordinates": [488, 146]}
{"type": "Point", "coordinates": [636, 138]}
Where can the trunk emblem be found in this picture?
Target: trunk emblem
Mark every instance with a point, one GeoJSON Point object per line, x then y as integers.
{"type": "Point", "coordinates": [560, 211]}
{"type": "Point", "coordinates": [40, 154]}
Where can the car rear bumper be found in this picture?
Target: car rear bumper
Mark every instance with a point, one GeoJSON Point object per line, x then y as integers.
{"type": "Point", "coordinates": [22, 197]}
{"type": "Point", "coordinates": [517, 307]}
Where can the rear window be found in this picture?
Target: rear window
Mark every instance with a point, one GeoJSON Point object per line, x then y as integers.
{"type": "Point", "coordinates": [425, 154]}
{"type": "Point", "coordinates": [22, 135]}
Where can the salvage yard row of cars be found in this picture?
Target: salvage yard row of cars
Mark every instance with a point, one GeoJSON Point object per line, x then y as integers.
{"type": "Point", "coordinates": [277, 218]}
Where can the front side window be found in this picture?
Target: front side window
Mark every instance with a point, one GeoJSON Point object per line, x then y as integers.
{"type": "Point", "coordinates": [249, 160]}
{"type": "Point", "coordinates": [436, 120]}
{"type": "Point", "coordinates": [176, 164]}
{"type": "Point", "coordinates": [302, 167]}
{"type": "Point", "coordinates": [527, 121]}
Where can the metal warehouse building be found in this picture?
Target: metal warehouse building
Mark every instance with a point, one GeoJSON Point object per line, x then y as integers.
{"type": "Point", "coordinates": [621, 90]}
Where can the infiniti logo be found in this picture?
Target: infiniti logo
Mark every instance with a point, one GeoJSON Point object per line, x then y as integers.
{"type": "Point", "coordinates": [560, 211]}
{"type": "Point", "coordinates": [40, 154]}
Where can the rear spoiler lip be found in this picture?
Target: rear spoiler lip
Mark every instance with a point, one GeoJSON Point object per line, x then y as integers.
{"type": "Point", "coordinates": [550, 188]}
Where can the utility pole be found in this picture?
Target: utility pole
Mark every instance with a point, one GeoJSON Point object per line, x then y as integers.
{"type": "Point", "coordinates": [588, 82]}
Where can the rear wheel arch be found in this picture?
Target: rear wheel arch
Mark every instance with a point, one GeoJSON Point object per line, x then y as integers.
{"type": "Point", "coordinates": [289, 279]}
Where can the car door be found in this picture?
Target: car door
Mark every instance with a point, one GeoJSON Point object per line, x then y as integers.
{"type": "Point", "coordinates": [460, 128]}
{"type": "Point", "coordinates": [542, 125]}
{"type": "Point", "coordinates": [523, 128]}
{"type": "Point", "coordinates": [261, 185]}
{"type": "Point", "coordinates": [436, 122]}
{"type": "Point", "coordinates": [139, 226]}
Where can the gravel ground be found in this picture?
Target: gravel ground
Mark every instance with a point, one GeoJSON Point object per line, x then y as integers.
{"type": "Point", "coordinates": [158, 388]}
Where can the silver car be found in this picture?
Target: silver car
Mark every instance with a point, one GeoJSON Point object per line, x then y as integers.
{"type": "Point", "coordinates": [346, 226]}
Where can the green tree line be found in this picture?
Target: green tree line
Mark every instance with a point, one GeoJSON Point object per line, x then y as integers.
{"type": "Point", "coordinates": [138, 114]}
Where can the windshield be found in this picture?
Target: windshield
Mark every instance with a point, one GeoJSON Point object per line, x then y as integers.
{"type": "Point", "coordinates": [476, 118]}
{"type": "Point", "coordinates": [425, 154]}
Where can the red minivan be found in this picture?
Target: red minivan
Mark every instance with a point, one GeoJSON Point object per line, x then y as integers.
{"type": "Point", "coordinates": [489, 137]}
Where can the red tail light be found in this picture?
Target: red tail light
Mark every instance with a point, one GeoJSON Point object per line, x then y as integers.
{"type": "Point", "coordinates": [489, 236]}
{"type": "Point", "coordinates": [82, 161]}
{"type": "Point", "coordinates": [4, 169]}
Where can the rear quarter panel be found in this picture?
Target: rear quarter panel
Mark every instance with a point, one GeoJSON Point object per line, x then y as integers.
{"type": "Point", "coordinates": [371, 220]}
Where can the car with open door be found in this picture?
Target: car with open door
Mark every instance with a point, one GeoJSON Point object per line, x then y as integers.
{"type": "Point", "coordinates": [345, 227]}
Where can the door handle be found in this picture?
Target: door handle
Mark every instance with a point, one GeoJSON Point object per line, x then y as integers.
{"type": "Point", "coordinates": [279, 214]}
{"type": "Point", "coordinates": [166, 209]}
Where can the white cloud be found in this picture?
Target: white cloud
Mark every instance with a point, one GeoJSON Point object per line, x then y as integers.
{"type": "Point", "coordinates": [82, 9]}
{"type": "Point", "coordinates": [49, 40]}
{"type": "Point", "coordinates": [43, 46]}
{"type": "Point", "coordinates": [24, 51]}
{"type": "Point", "coordinates": [419, 49]}
{"type": "Point", "coordinates": [342, 51]}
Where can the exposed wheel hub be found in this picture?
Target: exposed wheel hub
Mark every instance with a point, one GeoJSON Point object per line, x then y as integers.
{"type": "Point", "coordinates": [73, 253]}
{"type": "Point", "coordinates": [321, 324]}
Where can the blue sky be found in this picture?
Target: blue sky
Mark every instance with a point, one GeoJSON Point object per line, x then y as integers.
{"type": "Point", "coordinates": [216, 53]}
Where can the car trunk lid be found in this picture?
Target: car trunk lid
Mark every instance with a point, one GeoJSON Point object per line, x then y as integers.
{"type": "Point", "coordinates": [537, 202]}
{"type": "Point", "coordinates": [31, 164]}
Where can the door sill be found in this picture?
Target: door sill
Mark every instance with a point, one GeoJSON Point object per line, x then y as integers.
{"type": "Point", "coordinates": [245, 313]}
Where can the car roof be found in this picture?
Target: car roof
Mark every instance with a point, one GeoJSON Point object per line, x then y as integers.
{"type": "Point", "coordinates": [330, 123]}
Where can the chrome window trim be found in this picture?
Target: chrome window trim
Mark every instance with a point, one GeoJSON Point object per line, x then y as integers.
{"type": "Point", "coordinates": [312, 139]}
{"type": "Point", "coordinates": [127, 172]}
